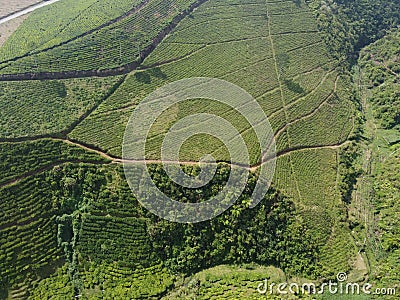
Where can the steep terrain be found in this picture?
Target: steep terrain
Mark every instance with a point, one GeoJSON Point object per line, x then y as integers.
{"type": "Point", "coordinates": [70, 225]}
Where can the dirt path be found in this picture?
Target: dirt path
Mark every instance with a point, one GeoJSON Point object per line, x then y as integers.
{"type": "Point", "coordinates": [8, 8]}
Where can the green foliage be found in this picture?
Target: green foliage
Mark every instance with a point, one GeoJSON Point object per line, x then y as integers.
{"type": "Point", "coordinates": [349, 25]}
{"type": "Point", "coordinates": [58, 285]}
{"type": "Point", "coordinates": [387, 208]}
{"type": "Point", "coordinates": [122, 242]}
{"type": "Point", "coordinates": [270, 233]}
{"type": "Point", "coordinates": [348, 170]}
{"type": "Point", "coordinates": [380, 67]}
{"type": "Point", "coordinates": [47, 107]}
{"type": "Point", "coordinates": [69, 19]}
{"type": "Point", "coordinates": [27, 232]}
{"type": "Point", "coordinates": [21, 159]}
{"type": "Point", "coordinates": [228, 282]}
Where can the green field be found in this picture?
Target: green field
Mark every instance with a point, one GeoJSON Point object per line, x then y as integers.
{"type": "Point", "coordinates": [70, 226]}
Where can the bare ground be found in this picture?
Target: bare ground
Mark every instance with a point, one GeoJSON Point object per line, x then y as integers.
{"type": "Point", "coordinates": [7, 7]}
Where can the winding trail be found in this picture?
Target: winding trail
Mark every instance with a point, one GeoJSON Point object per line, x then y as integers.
{"type": "Point", "coordinates": [121, 70]}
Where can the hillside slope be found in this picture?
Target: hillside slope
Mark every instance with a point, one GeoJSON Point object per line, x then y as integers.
{"type": "Point", "coordinates": [71, 225]}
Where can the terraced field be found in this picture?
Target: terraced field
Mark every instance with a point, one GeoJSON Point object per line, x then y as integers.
{"type": "Point", "coordinates": [283, 65]}
{"type": "Point", "coordinates": [47, 108]}
{"type": "Point", "coordinates": [61, 141]}
{"type": "Point", "coordinates": [10, 7]}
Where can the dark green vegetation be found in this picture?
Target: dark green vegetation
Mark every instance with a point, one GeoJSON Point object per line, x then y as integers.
{"type": "Point", "coordinates": [20, 159]}
{"type": "Point", "coordinates": [374, 207]}
{"type": "Point", "coordinates": [69, 223]}
{"type": "Point", "coordinates": [40, 108]}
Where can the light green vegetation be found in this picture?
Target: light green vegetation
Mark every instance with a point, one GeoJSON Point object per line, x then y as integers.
{"type": "Point", "coordinates": [69, 19]}
{"type": "Point", "coordinates": [32, 108]}
{"type": "Point", "coordinates": [119, 43]}
{"type": "Point", "coordinates": [228, 282]}
{"type": "Point", "coordinates": [20, 159]}
{"type": "Point", "coordinates": [374, 209]}
{"type": "Point", "coordinates": [380, 63]}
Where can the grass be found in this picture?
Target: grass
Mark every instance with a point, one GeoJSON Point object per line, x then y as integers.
{"type": "Point", "coordinates": [108, 46]}
{"type": "Point", "coordinates": [271, 49]}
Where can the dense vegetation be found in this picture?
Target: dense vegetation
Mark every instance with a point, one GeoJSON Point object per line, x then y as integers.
{"type": "Point", "coordinates": [119, 251]}
{"type": "Point", "coordinates": [387, 208]}
{"type": "Point", "coordinates": [69, 223]}
{"type": "Point", "coordinates": [350, 25]}
{"type": "Point", "coordinates": [380, 64]}
{"type": "Point", "coordinates": [37, 108]}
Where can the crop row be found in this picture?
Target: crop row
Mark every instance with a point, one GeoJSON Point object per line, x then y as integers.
{"type": "Point", "coordinates": [117, 44]}
{"type": "Point", "coordinates": [107, 281]}
{"type": "Point", "coordinates": [331, 124]}
{"type": "Point", "coordinates": [301, 22]}
{"type": "Point", "coordinates": [109, 239]}
{"type": "Point", "coordinates": [27, 231]}
{"type": "Point", "coordinates": [69, 19]}
{"type": "Point", "coordinates": [312, 100]}
{"type": "Point", "coordinates": [24, 105]}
